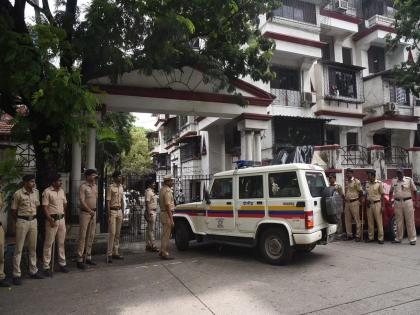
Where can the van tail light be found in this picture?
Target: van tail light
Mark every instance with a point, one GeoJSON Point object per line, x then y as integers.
{"type": "Point", "coordinates": [309, 219]}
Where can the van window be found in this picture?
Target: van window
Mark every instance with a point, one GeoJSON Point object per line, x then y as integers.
{"type": "Point", "coordinates": [221, 189]}
{"type": "Point", "coordinates": [316, 183]}
{"type": "Point", "coordinates": [283, 185]}
{"type": "Point", "coordinates": [251, 187]}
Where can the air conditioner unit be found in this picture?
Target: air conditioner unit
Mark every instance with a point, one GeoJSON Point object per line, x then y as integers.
{"type": "Point", "coordinates": [341, 5]}
{"type": "Point", "coordinates": [390, 108]}
{"type": "Point", "coordinates": [309, 98]}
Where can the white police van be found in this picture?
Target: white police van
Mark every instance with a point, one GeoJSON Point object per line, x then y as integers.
{"type": "Point", "coordinates": [278, 209]}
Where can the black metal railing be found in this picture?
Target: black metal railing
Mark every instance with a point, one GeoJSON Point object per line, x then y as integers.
{"type": "Point", "coordinates": [355, 155]}
{"type": "Point", "coordinates": [397, 156]}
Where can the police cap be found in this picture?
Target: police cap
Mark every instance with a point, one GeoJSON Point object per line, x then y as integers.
{"type": "Point", "coordinates": [167, 178]}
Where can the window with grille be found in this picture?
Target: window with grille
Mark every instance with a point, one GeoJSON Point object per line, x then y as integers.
{"type": "Point", "coordinates": [297, 10]}
{"type": "Point", "coordinates": [342, 82]}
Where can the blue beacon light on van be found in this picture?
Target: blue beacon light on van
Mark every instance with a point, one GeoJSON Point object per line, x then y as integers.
{"type": "Point", "coordinates": [246, 163]}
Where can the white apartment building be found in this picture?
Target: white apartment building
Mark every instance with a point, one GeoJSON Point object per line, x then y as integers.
{"type": "Point", "coordinates": [334, 91]}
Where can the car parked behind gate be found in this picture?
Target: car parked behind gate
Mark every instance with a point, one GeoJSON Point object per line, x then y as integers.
{"type": "Point", "coordinates": [277, 208]}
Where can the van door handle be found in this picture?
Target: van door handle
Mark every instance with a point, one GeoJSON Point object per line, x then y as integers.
{"type": "Point", "coordinates": [259, 202]}
{"type": "Point", "coordinates": [228, 203]}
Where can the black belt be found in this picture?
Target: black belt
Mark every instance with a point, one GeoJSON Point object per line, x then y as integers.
{"type": "Point", "coordinates": [27, 218]}
{"type": "Point", "coordinates": [403, 199]}
{"type": "Point", "coordinates": [376, 201]}
{"type": "Point", "coordinates": [57, 217]}
{"type": "Point", "coordinates": [353, 200]}
{"type": "Point", "coordinates": [115, 208]}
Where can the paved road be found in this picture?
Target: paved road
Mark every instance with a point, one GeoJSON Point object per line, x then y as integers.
{"type": "Point", "coordinates": [340, 278]}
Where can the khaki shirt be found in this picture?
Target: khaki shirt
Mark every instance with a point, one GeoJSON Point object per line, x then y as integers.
{"type": "Point", "coordinates": [25, 202]}
{"type": "Point", "coordinates": [55, 200]}
{"type": "Point", "coordinates": [114, 195]}
{"type": "Point", "coordinates": [374, 190]}
{"type": "Point", "coordinates": [151, 199]}
{"type": "Point", "coordinates": [404, 188]}
{"type": "Point", "coordinates": [354, 187]}
{"type": "Point", "coordinates": [166, 198]}
{"type": "Point", "coordinates": [89, 194]}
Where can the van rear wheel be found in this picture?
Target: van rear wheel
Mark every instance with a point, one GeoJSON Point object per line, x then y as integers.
{"type": "Point", "coordinates": [275, 247]}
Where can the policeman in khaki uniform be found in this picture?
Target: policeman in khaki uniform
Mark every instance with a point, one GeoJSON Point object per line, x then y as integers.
{"type": "Point", "coordinates": [88, 195]}
{"type": "Point", "coordinates": [403, 187]}
{"type": "Point", "coordinates": [167, 206]}
{"type": "Point", "coordinates": [375, 201]}
{"type": "Point", "coordinates": [3, 282]}
{"type": "Point", "coordinates": [115, 203]}
{"type": "Point", "coordinates": [24, 206]}
{"type": "Point", "coordinates": [151, 206]}
{"type": "Point", "coordinates": [54, 202]}
{"type": "Point", "coordinates": [352, 202]}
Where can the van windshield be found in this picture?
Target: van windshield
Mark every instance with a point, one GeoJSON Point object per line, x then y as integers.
{"type": "Point", "coordinates": [316, 183]}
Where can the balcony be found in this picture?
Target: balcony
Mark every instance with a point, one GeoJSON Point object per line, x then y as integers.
{"type": "Point", "coordinates": [162, 161]}
{"type": "Point", "coordinates": [287, 98]}
{"type": "Point", "coordinates": [380, 20]}
{"type": "Point", "coordinates": [190, 149]}
{"type": "Point", "coordinates": [341, 18]}
{"type": "Point", "coordinates": [379, 12]}
{"type": "Point", "coordinates": [385, 98]}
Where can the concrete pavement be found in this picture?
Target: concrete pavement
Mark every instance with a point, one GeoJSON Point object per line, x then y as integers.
{"type": "Point", "coordinates": [340, 278]}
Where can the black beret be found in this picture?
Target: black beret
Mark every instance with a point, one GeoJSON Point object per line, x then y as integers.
{"type": "Point", "coordinates": [350, 170]}
{"type": "Point", "coordinates": [116, 174]}
{"type": "Point", "coordinates": [91, 171]}
{"type": "Point", "coordinates": [400, 170]}
{"type": "Point", "coordinates": [373, 172]}
{"type": "Point", "coordinates": [28, 177]}
{"type": "Point", "coordinates": [55, 177]}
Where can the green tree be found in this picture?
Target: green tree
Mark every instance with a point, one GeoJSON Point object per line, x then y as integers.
{"type": "Point", "coordinates": [46, 66]}
{"type": "Point", "coordinates": [137, 160]}
{"type": "Point", "coordinates": [407, 19]}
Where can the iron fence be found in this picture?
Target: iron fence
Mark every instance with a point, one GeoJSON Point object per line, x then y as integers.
{"type": "Point", "coordinates": [397, 156]}
{"type": "Point", "coordinates": [355, 155]}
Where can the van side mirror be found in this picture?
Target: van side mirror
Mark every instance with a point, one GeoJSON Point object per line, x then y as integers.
{"type": "Point", "coordinates": [207, 196]}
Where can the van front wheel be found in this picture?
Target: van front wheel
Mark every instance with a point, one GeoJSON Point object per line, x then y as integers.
{"type": "Point", "coordinates": [275, 247]}
{"type": "Point", "coordinates": [182, 235]}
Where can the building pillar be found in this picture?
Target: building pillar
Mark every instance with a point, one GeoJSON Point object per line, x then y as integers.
{"type": "Point", "coordinates": [362, 58]}
{"type": "Point", "coordinates": [338, 50]}
{"type": "Point", "coordinates": [76, 169]}
{"type": "Point", "coordinates": [249, 147]}
{"type": "Point", "coordinates": [257, 146]}
{"type": "Point", "coordinates": [243, 144]}
{"type": "Point", "coordinates": [91, 148]}
{"type": "Point", "coordinates": [414, 154]}
{"type": "Point", "coordinates": [377, 159]}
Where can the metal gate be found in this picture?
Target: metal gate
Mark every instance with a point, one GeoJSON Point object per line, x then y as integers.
{"type": "Point", "coordinates": [134, 226]}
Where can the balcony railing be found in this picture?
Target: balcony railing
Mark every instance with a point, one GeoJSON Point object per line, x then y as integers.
{"type": "Point", "coordinates": [353, 8]}
{"type": "Point", "coordinates": [287, 97]}
{"type": "Point", "coordinates": [397, 156]}
{"type": "Point", "coordinates": [355, 155]}
{"type": "Point", "coordinates": [380, 20]}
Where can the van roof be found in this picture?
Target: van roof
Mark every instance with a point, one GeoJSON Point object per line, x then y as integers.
{"type": "Point", "coordinates": [271, 168]}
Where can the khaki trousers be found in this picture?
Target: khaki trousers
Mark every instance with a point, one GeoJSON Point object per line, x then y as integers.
{"type": "Point", "coordinates": [166, 234]}
{"type": "Point", "coordinates": [150, 235]}
{"type": "Point", "coordinates": [57, 233]}
{"type": "Point", "coordinates": [351, 210]}
{"type": "Point", "coordinates": [25, 231]}
{"type": "Point", "coordinates": [404, 210]}
{"type": "Point", "coordinates": [114, 230]}
{"type": "Point", "coordinates": [87, 225]}
{"type": "Point", "coordinates": [374, 214]}
{"type": "Point", "coordinates": [2, 275]}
